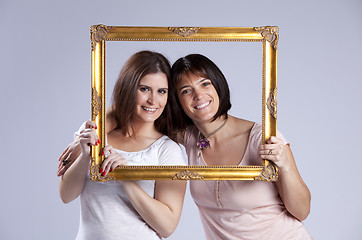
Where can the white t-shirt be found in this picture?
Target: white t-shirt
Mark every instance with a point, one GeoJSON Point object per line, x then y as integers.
{"type": "Point", "coordinates": [106, 212]}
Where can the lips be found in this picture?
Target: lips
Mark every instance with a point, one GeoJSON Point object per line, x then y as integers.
{"type": "Point", "coordinates": [203, 105]}
{"type": "Point", "coordinates": [148, 109]}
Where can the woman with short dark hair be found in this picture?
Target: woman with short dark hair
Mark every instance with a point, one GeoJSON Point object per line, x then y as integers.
{"type": "Point", "coordinates": [235, 209]}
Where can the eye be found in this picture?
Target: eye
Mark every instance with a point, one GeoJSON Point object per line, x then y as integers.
{"type": "Point", "coordinates": [206, 84]}
{"type": "Point", "coordinates": [162, 91]}
{"type": "Point", "coordinates": [144, 89]}
{"type": "Point", "coordinates": [185, 91]}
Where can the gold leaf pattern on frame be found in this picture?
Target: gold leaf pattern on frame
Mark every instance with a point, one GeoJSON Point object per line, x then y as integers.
{"type": "Point", "coordinates": [269, 173]}
{"type": "Point", "coordinates": [271, 34]}
{"type": "Point", "coordinates": [96, 104]}
{"type": "Point", "coordinates": [187, 175]}
{"type": "Point", "coordinates": [184, 31]}
{"type": "Point", "coordinates": [272, 103]}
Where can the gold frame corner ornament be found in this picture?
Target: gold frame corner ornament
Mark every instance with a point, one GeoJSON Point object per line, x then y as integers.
{"type": "Point", "coordinates": [96, 175]}
{"type": "Point", "coordinates": [269, 173]}
{"type": "Point", "coordinates": [269, 33]}
{"type": "Point", "coordinates": [98, 33]}
{"type": "Point", "coordinates": [101, 34]}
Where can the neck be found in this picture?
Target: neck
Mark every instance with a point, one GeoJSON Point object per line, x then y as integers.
{"type": "Point", "coordinates": [208, 128]}
{"type": "Point", "coordinates": [144, 129]}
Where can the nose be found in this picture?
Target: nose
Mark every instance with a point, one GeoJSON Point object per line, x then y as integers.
{"type": "Point", "coordinates": [197, 95]}
{"type": "Point", "coordinates": [151, 99]}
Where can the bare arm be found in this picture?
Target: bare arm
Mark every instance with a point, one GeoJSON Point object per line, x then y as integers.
{"type": "Point", "coordinates": [72, 152]}
{"type": "Point", "coordinates": [72, 181]}
{"type": "Point", "coordinates": [291, 187]}
{"type": "Point", "coordinates": [163, 212]}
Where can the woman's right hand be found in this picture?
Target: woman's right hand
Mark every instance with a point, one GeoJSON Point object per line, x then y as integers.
{"type": "Point", "coordinates": [88, 137]}
{"type": "Point", "coordinates": [72, 152]}
{"type": "Point", "coordinates": [112, 160]}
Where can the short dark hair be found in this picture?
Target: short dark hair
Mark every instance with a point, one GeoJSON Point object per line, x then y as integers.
{"type": "Point", "coordinates": [201, 66]}
{"type": "Point", "coordinates": [124, 94]}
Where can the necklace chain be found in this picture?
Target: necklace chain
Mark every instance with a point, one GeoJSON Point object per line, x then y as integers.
{"type": "Point", "coordinates": [215, 131]}
{"type": "Point", "coordinates": [203, 142]}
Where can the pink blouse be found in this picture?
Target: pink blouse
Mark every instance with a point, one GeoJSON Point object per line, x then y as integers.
{"type": "Point", "coordinates": [241, 209]}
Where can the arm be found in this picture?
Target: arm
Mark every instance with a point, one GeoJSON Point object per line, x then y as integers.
{"type": "Point", "coordinates": [291, 187]}
{"type": "Point", "coordinates": [72, 181]}
{"type": "Point", "coordinates": [163, 212]}
{"type": "Point", "coordinates": [72, 152]}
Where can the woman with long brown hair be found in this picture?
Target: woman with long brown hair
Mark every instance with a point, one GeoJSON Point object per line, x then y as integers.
{"type": "Point", "coordinates": [141, 110]}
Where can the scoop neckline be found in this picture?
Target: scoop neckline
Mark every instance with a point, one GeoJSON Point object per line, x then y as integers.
{"type": "Point", "coordinates": [143, 150]}
{"type": "Point", "coordinates": [241, 161]}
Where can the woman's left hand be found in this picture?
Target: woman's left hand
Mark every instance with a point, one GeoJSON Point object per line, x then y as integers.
{"type": "Point", "coordinates": [275, 151]}
{"type": "Point", "coordinates": [112, 160]}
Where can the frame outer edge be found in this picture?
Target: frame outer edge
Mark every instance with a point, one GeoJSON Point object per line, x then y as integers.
{"type": "Point", "coordinates": [98, 83]}
{"type": "Point", "coordinates": [270, 124]}
{"type": "Point", "coordinates": [159, 34]}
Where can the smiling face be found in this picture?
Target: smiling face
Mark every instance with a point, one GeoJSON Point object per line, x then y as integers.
{"type": "Point", "coordinates": [151, 97]}
{"type": "Point", "coordinates": [198, 97]}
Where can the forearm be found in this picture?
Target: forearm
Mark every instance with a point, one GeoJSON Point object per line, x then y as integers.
{"type": "Point", "coordinates": [294, 193]}
{"type": "Point", "coordinates": [72, 181]}
{"type": "Point", "coordinates": [163, 218]}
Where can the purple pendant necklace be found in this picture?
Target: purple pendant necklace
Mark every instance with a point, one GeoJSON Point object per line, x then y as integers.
{"type": "Point", "coordinates": [203, 141]}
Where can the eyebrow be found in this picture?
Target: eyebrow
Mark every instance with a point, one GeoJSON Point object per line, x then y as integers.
{"type": "Point", "coordinates": [144, 85]}
{"type": "Point", "coordinates": [200, 81]}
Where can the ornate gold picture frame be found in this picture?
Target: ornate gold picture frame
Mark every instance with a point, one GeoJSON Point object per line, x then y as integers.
{"type": "Point", "coordinates": [267, 36]}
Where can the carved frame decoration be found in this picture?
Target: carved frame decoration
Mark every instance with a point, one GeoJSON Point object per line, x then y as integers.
{"type": "Point", "coordinates": [267, 35]}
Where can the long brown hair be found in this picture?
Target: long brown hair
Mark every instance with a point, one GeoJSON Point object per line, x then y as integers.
{"type": "Point", "coordinates": [125, 91]}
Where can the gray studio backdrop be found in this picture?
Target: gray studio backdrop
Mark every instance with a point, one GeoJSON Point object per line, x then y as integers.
{"type": "Point", "coordinates": [45, 83]}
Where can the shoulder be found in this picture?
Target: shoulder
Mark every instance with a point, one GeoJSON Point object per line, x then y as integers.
{"type": "Point", "coordinates": [190, 136]}
{"type": "Point", "coordinates": [170, 152]}
{"type": "Point", "coordinates": [241, 126]}
{"type": "Point", "coordinates": [257, 130]}
{"type": "Point", "coordinates": [167, 144]}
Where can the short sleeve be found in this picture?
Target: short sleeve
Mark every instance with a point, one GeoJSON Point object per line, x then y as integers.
{"type": "Point", "coordinates": [256, 135]}
{"type": "Point", "coordinates": [170, 153]}
{"type": "Point", "coordinates": [281, 136]}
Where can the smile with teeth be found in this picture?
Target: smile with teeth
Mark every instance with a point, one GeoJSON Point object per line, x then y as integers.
{"type": "Point", "coordinates": [203, 105]}
{"type": "Point", "coordinates": [149, 109]}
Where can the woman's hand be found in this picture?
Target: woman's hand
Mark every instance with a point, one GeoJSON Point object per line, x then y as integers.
{"type": "Point", "coordinates": [72, 152]}
{"type": "Point", "coordinates": [72, 181]}
{"type": "Point", "coordinates": [69, 155]}
{"type": "Point", "coordinates": [291, 187]}
{"type": "Point", "coordinates": [275, 151]}
{"type": "Point", "coordinates": [87, 138]}
{"type": "Point", "coordinates": [112, 160]}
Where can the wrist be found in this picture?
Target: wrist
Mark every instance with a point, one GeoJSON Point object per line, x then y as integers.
{"type": "Point", "coordinates": [84, 158]}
